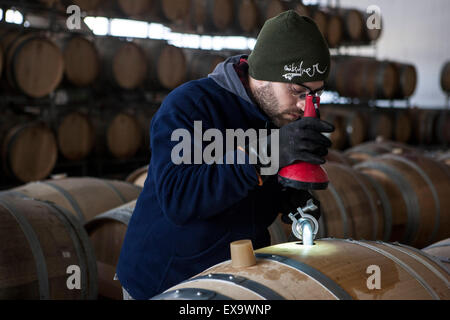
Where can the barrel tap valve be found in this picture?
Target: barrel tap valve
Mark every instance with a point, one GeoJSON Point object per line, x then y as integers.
{"type": "Point", "coordinates": [305, 226]}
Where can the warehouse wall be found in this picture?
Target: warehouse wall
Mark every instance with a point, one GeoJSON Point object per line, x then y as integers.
{"type": "Point", "coordinates": [415, 31]}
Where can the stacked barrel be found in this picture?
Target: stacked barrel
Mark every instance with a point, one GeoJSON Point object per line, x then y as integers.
{"type": "Point", "coordinates": [47, 252]}
{"type": "Point", "coordinates": [81, 62]}
{"type": "Point", "coordinates": [357, 124]}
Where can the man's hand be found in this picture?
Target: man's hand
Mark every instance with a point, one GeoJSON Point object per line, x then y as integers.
{"type": "Point", "coordinates": [303, 140]}
{"type": "Point", "coordinates": [291, 199]}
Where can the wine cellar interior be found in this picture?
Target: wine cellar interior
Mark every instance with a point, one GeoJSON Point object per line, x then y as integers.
{"type": "Point", "coordinates": [82, 80]}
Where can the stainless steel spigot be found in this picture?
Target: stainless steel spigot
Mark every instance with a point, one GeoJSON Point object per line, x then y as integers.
{"type": "Point", "coordinates": [305, 226]}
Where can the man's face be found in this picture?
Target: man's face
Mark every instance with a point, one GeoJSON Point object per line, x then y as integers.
{"type": "Point", "coordinates": [281, 102]}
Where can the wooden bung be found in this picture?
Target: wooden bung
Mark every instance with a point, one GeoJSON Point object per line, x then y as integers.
{"type": "Point", "coordinates": [242, 255]}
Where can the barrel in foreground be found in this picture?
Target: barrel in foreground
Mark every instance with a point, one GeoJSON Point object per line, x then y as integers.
{"type": "Point", "coordinates": [330, 269]}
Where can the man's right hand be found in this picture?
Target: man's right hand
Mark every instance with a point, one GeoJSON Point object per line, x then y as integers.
{"type": "Point", "coordinates": [303, 140]}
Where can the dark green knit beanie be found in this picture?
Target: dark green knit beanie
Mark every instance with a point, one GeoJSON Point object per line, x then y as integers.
{"type": "Point", "coordinates": [290, 48]}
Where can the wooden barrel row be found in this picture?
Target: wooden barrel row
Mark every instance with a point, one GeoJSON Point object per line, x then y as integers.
{"type": "Point", "coordinates": [44, 222]}
{"type": "Point", "coordinates": [83, 197]}
{"type": "Point", "coordinates": [126, 65]}
{"type": "Point", "coordinates": [153, 64]}
{"type": "Point", "coordinates": [369, 78]}
{"type": "Point", "coordinates": [418, 193]}
{"type": "Point", "coordinates": [407, 202]}
{"type": "Point", "coordinates": [331, 269]}
{"type": "Point", "coordinates": [355, 125]}
{"type": "Point", "coordinates": [339, 26]}
{"type": "Point", "coordinates": [389, 197]}
{"type": "Point", "coordinates": [372, 149]}
{"type": "Point", "coordinates": [29, 149]}
{"type": "Point", "coordinates": [121, 134]}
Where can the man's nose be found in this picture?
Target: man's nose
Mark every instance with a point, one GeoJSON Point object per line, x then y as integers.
{"type": "Point", "coordinates": [301, 104]}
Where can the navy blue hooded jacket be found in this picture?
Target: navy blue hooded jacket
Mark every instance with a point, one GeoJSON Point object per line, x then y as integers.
{"type": "Point", "coordinates": [187, 214]}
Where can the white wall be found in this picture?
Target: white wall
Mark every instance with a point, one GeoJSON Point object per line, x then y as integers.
{"type": "Point", "coordinates": [418, 32]}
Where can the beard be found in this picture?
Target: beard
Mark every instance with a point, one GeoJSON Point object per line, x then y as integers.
{"type": "Point", "coordinates": [265, 98]}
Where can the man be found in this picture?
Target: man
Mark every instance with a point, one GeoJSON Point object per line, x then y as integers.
{"type": "Point", "coordinates": [188, 213]}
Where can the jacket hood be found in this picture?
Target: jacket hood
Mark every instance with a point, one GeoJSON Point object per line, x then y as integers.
{"type": "Point", "coordinates": [226, 77]}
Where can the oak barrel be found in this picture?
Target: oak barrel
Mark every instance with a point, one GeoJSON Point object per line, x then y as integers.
{"type": "Point", "coordinates": [106, 233]}
{"type": "Point", "coordinates": [407, 80]}
{"type": "Point", "coordinates": [40, 242]}
{"type": "Point", "coordinates": [136, 8]}
{"type": "Point", "coordinates": [200, 64]}
{"type": "Point", "coordinates": [76, 136]}
{"type": "Point", "coordinates": [138, 176]}
{"type": "Point", "coordinates": [350, 121]}
{"type": "Point", "coordinates": [81, 61]}
{"type": "Point", "coordinates": [425, 124]}
{"type": "Point", "coordinates": [332, 269]}
{"type": "Point", "coordinates": [402, 131]}
{"type": "Point", "coordinates": [125, 64]}
{"type": "Point", "coordinates": [381, 123]}
{"type": "Point", "coordinates": [34, 64]}
{"type": "Point", "coordinates": [339, 136]}
{"type": "Point", "coordinates": [364, 78]}
{"type": "Point", "coordinates": [249, 16]}
{"type": "Point", "coordinates": [348, 208]}
{"type": "Point", "coordinates": [83, 197]}
{"type": "Point", "coordinates": [175, 10]}
{"type": "Point", "coordinates": [213, 15]}
{"type": "Point", "coordinates": [337, 156]}
{"type": "Point", "coordinates": [124, 135]}
{"type": "Point", "coordinates": [29, 151]}
{"type": "Point", "coordinates": [371, 149]}
{"type": "Point", "coordinates": [417, 188]}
